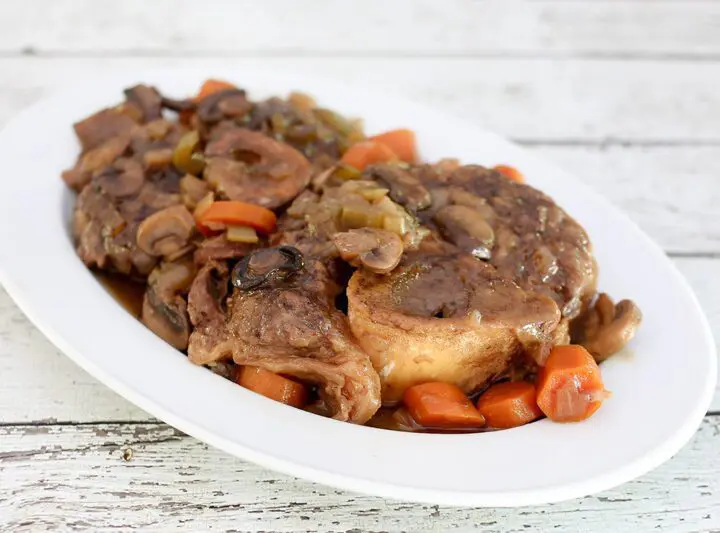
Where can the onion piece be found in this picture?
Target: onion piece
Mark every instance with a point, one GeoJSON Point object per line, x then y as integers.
{"type": "Point", "coordinates": [241, 234]}
{"type": "Point", "coordinates": [203, 205]}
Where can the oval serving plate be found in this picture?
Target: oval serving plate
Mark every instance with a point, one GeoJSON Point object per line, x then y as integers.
{"type": "Point", "coordinates": [660, 392]}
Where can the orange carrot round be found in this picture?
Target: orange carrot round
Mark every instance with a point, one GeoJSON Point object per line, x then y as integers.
{"type": "Point", "coordinates": [509, 404]}
{"type": "Point", "coordinates": [366, 153]}
{"type": "Point", "coordinates": [569, 386]}
{"type": "Point", "coordinates": [510, 172]}
{"type": "Point", "coordinates": [441, 405]}
{"type": "Point", "coordinates": [272, 385]}
{"type": "Point", "coordinates": [401, 142]}
{"type": "Point", "coordinates": [223, 213]}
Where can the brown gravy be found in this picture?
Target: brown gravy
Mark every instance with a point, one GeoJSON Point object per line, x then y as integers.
{"type": "Point", "coordinates": [130, 293]}
{"type": "Point", "coordinates": [127, 292]}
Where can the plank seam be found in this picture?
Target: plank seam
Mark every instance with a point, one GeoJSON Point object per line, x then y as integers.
{"type": "Point", "coordinates": [521, 55]}
{"type": "Point", "coordinates": [21, 425]}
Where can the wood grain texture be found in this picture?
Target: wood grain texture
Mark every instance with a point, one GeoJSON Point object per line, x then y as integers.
{"type": "Point", "coordinates": [622, 93]}
{"type": "Point", "coordinates": [665, 29]}
{"type": "Point", "coordinates": [542, 100]}
{"type": "Point", "coordinates": [669, 189]}
{"type": "Point", "coordinates": [47, 387]}
{"type": "Point", "coordinates": [672, 193]}
{"type": "Point", "coordinates": [41, 384]}
{"type": "Point", "coordinates": [151, 477]}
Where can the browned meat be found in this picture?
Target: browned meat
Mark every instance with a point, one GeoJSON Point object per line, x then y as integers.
{"type": "Point", "coordinates": [248, 166]}
{"type": "Point", "coordinates": [164, 308]}
{"type": "Point", "coordinates": [103, 126]}
{"type": "Point", "coordinates": [223, 105]}
{"type": "Point", "coordinates": [95, 160]}
{"type": "Point", "coordinates": [149, 144]}
{"type": "Point", "coordinates": [108, 213]}
{"type": "Point", "coordinates": [518, 229]}
{"type": "Point", "coordinates": [123, 178]}
{"type": "Point", "coordinates": [290, 327]}
{"type": "Point", "coordinates": [147, 100]}
{"type": "Point", "coordinates": [606, 327]}
{"type": "Point", "coordinates": [372, 281]}
{"type": "Point", "coordinates": [218, 248]}
{"type": "Point", "coordinates": [445, 316]}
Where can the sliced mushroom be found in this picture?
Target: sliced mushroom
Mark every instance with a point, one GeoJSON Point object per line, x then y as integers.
{"type": "Point", "coordinates": [466, 228]}
{"type": "Point", "coordinates": [405, 188]}
{"type": "Point", "coordinates": [223, 104]}
{"type": "Point", "coordinates": [124, 178]}
{"type": "Point", "coordinates": [147, 99]}
{"type": "Point", "coordinates": [165, 232]}
{"type": "Point", "coordinates": [377, 250]}
{"type": "Point", "coordinates": [606, 327]}
{"type": "Point", "coordinates": [249, 166]}
{"type": "Point", "coordinates": [164, 306]}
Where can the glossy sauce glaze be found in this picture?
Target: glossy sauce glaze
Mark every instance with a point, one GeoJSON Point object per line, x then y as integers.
{"type": "Point", "coordinates": [127, 292]}
{"type": "Point", "coordinates": [130, 295]}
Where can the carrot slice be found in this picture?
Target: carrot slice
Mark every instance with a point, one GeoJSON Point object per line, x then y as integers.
{"type": "Point", "coordinates": [225, 213]}
{"type": "Point", "coordinates": [569, 386]}
{"type": "Point", "coordinates": [510, 404]}
{"type": "Point", "coordinates": [211, 87]}
{"type": "Point", "coordinates": [272, 385]}
{"type": "Point", "coordinates": [510, 172]}
{"type": "Point", "coordinates": [401, 141]}
{"type": "Point", "coordinates": [366, 153]}
{"type": "Point", "coordinates": [441, 405]}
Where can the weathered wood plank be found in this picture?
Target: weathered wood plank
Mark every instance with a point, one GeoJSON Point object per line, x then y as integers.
{"type": "Point", "coordinates": [84, 478]}
{"type": "Point", "coordinates": [669, 190]}
{"type": "Point", "coordinates": [453, 27]}
{"type": "Point", "coordinates": [673, 193]}
{"type": "Point", "coordinates": [541, 100]}
{"type": "Point", "coordinates": [42, 385]}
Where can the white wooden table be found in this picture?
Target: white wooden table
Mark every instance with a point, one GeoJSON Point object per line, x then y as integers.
{"type": "Point", "coordinates": [625, 94]}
